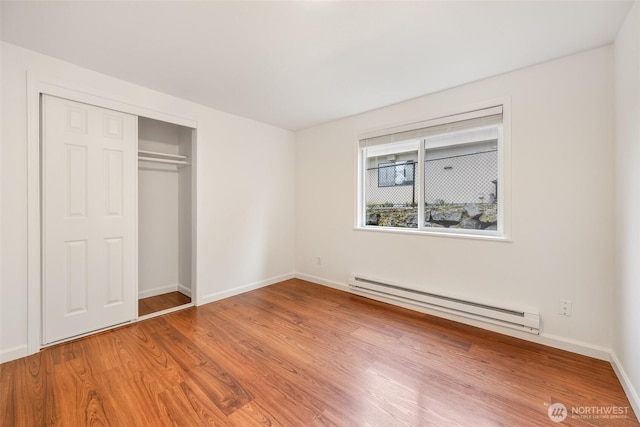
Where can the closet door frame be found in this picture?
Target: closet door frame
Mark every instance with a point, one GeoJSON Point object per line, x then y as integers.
{"type": "Point", "coordinates": [38, 85]}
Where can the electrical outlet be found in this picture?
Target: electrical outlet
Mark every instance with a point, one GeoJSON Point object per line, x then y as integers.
{"type": "Point", "coordinates": [565, 307]}
{"type": "Point", "coordinates": [318, 261]}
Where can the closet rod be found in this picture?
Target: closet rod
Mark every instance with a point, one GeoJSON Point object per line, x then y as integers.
{"type": "Point", "coordinates": [172, 162]}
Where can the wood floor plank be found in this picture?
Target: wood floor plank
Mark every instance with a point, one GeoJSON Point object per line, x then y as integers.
{"type": "Point", "coordinates": [221, 388]}
{"type": "Point", "coordinates": [253, 414]}
{"type": "Point", "coordinates": [161, 302]}
{"type": "Point", "coordinates": [287, 403]}
{"type": "Point", "coordinates": [182, 409]}
{"type": "Point", "coordinates": [299, 354]}
{"type": "Point", "coordinates": [27, 387]}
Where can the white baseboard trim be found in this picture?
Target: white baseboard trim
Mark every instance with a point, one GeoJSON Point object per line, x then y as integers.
{"type": "Point", "coordinates": [244, 288]}
{"type": "Point", "coordinates": [573, 346]}
{"type": "Point", "coordinates": [629, 389]}
{"type": "Point", "coordinates": [562, 343]}
{"type": "Point", "coordinates": [184, 290]}
{"type": "Point", "coordinates": [14, 353]}
{"type": "Point", "coordinates": [158, 291]}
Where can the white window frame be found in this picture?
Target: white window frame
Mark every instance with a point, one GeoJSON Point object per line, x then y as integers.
{"type": "Point", "coordinates": [503, 232]}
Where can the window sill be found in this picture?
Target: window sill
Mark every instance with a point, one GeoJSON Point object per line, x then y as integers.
{"type": "Point", "coordinates": [413, 231]}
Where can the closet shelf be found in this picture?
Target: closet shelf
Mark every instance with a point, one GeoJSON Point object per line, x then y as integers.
{"type": "Point", "coordinates": [164, 155]}
{"type": "Point", "coordinates": [158, 160]}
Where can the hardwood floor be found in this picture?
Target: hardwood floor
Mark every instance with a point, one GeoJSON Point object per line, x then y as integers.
{"type": "Point", "coordinates": [161, 302]}
{"type": "Point", "coordinates": [299, 354]}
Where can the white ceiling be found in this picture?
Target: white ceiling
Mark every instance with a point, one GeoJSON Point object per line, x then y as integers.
{"type": "Point", "coordinates": [296, 64]}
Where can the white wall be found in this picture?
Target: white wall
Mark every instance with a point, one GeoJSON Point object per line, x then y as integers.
{"type": "Point", "coordinates": [1, 181]}
{"type": "Point", "coordinates": [245, 225]}
{"type": "Point", "coordinates": [627, 313]}
{"type": "Point", "coordinates": [562, 206]}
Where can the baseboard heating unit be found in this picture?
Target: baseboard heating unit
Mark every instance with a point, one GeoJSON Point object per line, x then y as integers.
{"type": "Point", "coordinates": [511, 318]}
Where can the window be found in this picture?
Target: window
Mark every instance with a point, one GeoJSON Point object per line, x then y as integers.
{"type": "Point", "coordinates": [441, 175]}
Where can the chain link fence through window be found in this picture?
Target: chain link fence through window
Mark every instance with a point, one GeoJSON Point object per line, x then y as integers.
{"type": "Point", "coordinates": [461, 179]}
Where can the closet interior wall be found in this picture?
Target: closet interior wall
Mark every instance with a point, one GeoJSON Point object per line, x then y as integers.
{"type": "Point", "coordinates": [164, 210]}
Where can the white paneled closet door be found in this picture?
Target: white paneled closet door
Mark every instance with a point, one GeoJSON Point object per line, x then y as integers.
{"type": "Point", "coordinates": [89, 204]}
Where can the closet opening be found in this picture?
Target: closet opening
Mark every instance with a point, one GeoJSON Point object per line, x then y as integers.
{"type": "Point", "coordinates": [166, 188]}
